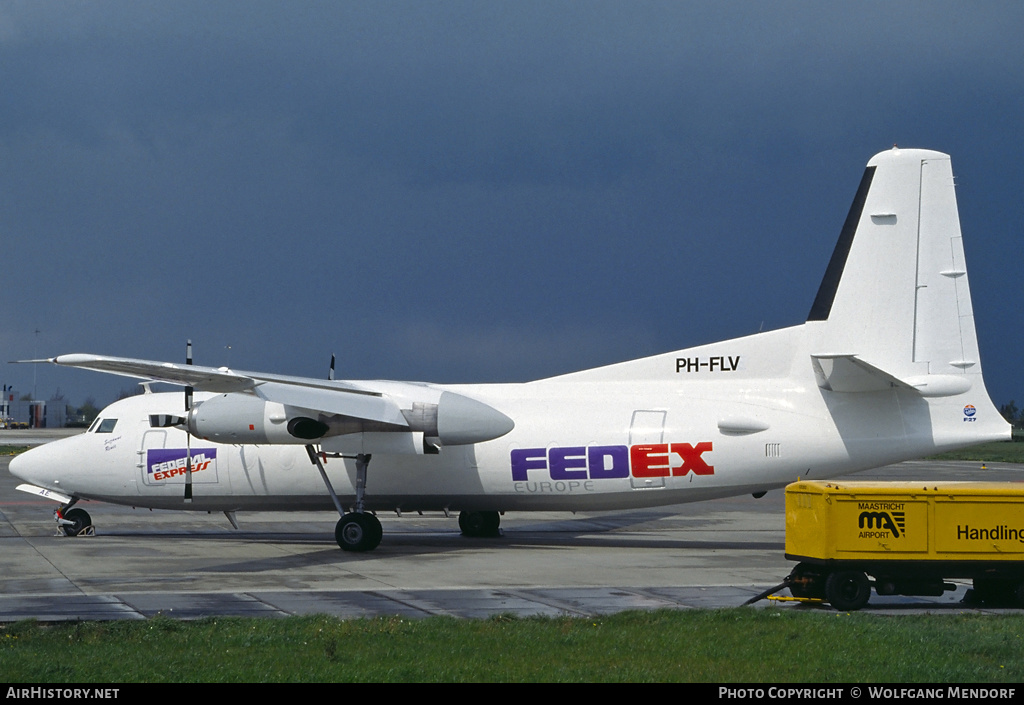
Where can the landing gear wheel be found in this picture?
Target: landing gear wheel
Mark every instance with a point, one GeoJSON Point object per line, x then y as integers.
{"type": "Point", "coordinates": [479, 524]}
{"type": "Point", "coordinates": [358, 532]}
{"type": "Point", "coordinates": [79, 519]}
{"type": "Point", "coordinates": [847, 589]}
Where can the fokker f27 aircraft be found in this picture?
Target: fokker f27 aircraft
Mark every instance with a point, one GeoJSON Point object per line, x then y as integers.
{"type": "Point", "coordinates": [886, 368]}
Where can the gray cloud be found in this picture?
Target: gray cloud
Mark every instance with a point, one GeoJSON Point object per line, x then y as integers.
{"type": "Point", "coordinates": [290, 178]}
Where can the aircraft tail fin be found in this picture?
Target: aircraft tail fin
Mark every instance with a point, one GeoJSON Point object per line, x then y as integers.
{"type": "Point", "coordinates": [894, 305]}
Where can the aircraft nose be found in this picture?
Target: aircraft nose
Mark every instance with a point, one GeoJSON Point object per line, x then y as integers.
{"type": "Point", "coordinates": [29, 466]}
{"type": "Point", "coordinates": [19, 466]}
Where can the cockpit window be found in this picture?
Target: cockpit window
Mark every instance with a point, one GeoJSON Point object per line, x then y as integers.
{"type": "Point", "coordinates": [106, 426]}
{"type": "Point", "coordinates": [92, 427]}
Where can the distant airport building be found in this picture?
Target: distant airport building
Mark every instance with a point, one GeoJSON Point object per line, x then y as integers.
{"type": "Point", "coordinates": [32, 413]}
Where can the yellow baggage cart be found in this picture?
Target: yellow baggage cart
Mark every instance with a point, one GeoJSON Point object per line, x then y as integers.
{"type": "Point", "coordinates": [904, 538]}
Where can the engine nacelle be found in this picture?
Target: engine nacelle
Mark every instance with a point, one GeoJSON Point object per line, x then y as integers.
{"type": "Point", "coordinates": [240, 418]}
{"type": "Point", "coordinates": [463, 421]}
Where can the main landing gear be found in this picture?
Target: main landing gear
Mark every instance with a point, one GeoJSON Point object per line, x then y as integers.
{"type": "Point", "coordinates": [357, 530]}
{"type": "Point", "coordinates": [360, 530]}
{"type": "Point", "coordinates": [479, 524]}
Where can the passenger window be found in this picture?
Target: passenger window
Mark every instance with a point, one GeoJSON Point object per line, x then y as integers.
{"type": "Point", "coordinates": [106, 426]}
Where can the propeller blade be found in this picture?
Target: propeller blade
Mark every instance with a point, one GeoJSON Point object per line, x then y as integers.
{"type": "Point", "coordinates": [188, 390]}
{"type": "Point", "coordinates": [188, 436]}
{"type": "Point", "coordinates": [167, 421]}
{"type": "Point", "coordinates": [188, 467]}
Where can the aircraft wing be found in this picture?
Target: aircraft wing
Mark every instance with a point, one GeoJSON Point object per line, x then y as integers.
{"type": "Point", "coordinates": [203, 378]}
{"type": "Point", "coordinates": [206, 379]}
{"type": "Point", "coordinates": [301, 409]}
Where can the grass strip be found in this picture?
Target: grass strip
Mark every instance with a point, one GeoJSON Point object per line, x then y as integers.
{"type": "Point", "coordinates": [995, 452]}
{"type": "Point", "coordinates": [733, 645]}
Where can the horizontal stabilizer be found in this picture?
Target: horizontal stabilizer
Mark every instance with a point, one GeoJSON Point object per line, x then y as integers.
{"type": "Point", "coordinates": [846, 373]}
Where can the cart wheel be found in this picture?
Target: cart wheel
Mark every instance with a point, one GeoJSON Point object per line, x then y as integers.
{"type": "Point", "coordinates": [847, 589]}
{"type": "Point", "coordinates": [997, 591]}
{"type": "Point", "coordinates": [806, 582]}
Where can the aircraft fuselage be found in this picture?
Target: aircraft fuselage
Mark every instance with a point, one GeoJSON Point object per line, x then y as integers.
{"type": "Point", "coordinates": [681, 435]}
{"type": "Point", "coordinates": [885, 368]}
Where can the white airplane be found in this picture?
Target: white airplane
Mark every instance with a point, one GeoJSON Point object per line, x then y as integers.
{"type": "Point", "coordinates": [885, 369]}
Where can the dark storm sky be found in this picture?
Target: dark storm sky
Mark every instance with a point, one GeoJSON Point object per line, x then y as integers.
{"type": "Point", "coordinates": [474, 191]}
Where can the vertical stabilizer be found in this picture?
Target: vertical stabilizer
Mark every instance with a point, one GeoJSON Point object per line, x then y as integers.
{"type": "Point", "coordinates": [893, 317]}
{"type": "Point", "coordinates": [895, 295]}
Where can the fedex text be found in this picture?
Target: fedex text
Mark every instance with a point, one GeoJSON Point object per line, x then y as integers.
{"type": "Point", "coordinates": [580, 463]}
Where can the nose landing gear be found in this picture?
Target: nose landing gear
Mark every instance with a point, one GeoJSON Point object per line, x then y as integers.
{"type": "Point", "coordinates": [74, 522]}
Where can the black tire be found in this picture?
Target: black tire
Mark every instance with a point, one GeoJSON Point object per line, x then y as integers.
{"type": "Point", "coordinates": [374, 525]}
{"type": "Point", "coordinates": [358, 532]}
{"type": "Point", "coordinates": [847, 590]}
{"type": "Point", "coordinates": [996, 592]}
{"type": "Point", "coordinates": [79, 519]}
{"type": "Point", "coordinates": [479, 524]}
{"type": "Point", "coordinates": [806, 581]}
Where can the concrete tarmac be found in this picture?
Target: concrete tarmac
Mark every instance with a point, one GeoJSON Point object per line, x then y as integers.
{"type": "Point", "coordinates": [186, 565]}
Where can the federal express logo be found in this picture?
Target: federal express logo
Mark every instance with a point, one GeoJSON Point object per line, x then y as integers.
{"type": "Point", "coordinates": [165, 463]}
{"type": "Point", "coordinates": [645, 460]}
{"type": "Point", "coordinates": [890, 522]}
{"type": "Point", "coordinates": [969, 412]}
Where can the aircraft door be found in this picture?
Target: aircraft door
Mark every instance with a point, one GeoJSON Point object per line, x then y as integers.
{"type": "Point", "coordinates": [647, 430]}
{"type": "Point", "coordinates": [152, 439]}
